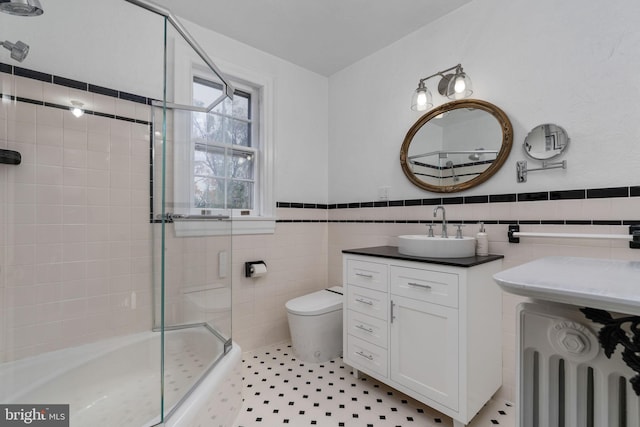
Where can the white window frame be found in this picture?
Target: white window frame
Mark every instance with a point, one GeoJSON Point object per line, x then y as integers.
{"type": "Point", "coordinates": [254, 149]}
{"type": "Point", "coordinates": [261, 219]}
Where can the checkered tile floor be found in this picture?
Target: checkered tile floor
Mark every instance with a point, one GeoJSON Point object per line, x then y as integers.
{"type": "Point", "coordinates": [280, 390]}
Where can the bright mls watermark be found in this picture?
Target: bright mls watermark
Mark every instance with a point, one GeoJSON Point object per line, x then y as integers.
{"type": "Point", "coordinates": [34, 415]}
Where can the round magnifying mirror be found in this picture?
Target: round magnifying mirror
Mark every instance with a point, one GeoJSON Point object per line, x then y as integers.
{"type": "Point", "coordinates": [546, 141]}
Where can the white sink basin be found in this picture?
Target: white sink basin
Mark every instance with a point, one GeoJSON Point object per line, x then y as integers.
{"type": "Point", "coordinates": [436, 247]}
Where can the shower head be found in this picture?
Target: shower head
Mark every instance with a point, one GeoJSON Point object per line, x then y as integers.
{"type": "Point", "coordinates": [19, 50]}
{"type": "Point", "coordinates": [21, 7]}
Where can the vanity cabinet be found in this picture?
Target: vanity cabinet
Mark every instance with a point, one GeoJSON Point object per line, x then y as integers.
{"type": "Point", "coordinates": [430, 330]}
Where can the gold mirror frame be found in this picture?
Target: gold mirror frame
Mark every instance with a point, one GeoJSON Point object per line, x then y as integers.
{"type": "Point", "coordinates": [505, 148]}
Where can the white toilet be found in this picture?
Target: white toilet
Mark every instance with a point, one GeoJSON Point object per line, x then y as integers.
{"type": "Point", "coordinates": [315, 322]}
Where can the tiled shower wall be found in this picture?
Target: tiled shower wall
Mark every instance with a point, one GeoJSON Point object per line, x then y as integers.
{"type": "Point", "coordinates": [76, 244]}
{"type": "Point", "coordinates": [74, 218]}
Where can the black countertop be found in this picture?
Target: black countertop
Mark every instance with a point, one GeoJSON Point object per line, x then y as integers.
{"type": "Point", "coordinates": [392, 252]}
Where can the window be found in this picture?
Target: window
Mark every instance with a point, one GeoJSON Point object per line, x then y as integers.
{"type": "Point", "coordinates": [225, 150]}
{"type": "Point", "coordinates": [224, 159]}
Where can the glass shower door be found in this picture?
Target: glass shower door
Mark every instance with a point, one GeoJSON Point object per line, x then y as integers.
{"type": "Point", "coordinates": [193, 230]}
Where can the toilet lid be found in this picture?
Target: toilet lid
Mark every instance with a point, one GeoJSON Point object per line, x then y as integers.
{"type": "Point", "coordinates": [315, 303]}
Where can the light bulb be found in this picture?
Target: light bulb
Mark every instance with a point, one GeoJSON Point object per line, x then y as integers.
{"type": "Point", "coordinates": [77, 110]}
{"type": "Point", "coordinates": [421, 99]}
{"type": "Point", "coordinates": [460, 85]}
{"type": "Point", "coordinates": [421, 103]}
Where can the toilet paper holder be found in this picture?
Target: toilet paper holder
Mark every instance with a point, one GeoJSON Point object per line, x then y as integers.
{"type": "Point", "coordinates": [250, 268]}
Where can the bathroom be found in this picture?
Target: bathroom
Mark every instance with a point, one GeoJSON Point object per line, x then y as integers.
{"type": "Point", "coordinates": [327, 162]}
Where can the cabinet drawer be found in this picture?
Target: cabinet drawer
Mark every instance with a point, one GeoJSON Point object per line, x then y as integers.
{"type": "Point", "coordinates": [367, 274]}
{"type": "Point", "coordinates": [367, 355]}
{"type": "Point", "coordinates": [363, 300]}
{"type": "Point", "coordinates": [367, 328]}
{"type": "Point", "coordinates": [425, 285]}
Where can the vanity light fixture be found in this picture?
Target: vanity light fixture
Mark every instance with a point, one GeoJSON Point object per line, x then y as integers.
{"type": "Point", "coordinates": [456, 85]}
{"type": "Point", "coordinates": [77, 110]}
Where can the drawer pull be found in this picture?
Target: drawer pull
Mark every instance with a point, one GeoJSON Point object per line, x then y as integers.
{"type": "Point", "coordinates": [419, 285]}
{"type": "Point", "coordinates": [364, 301]}
{"type": "Point", "coordinates": [364, 328]}
{"type": "Point", "coordinates": [366, 356]}
{"type": "Point", "coordinates": [368, 276]}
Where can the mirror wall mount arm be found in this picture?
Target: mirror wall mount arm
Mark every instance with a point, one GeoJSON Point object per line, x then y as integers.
{"type": "Point", "coordinates": [521, 168]}
{"type": "Point", "coordinates": [152, 7]}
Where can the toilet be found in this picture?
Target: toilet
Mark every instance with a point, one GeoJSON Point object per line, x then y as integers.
{"type": "Point", "coordinates": [315, 322]}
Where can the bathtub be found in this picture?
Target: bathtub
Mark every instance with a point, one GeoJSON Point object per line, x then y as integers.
{"type": "Point", "coordinates": [117, 382]}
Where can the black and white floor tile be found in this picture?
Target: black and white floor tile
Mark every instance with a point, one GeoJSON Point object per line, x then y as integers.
{"type": "Point", "coordinates": [280, 390]}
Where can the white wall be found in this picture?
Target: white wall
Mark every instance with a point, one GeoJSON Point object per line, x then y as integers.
{"type": "Point", "coordinates": [301, 115]}
{"type": "Point", "coordinates": [572, 63]}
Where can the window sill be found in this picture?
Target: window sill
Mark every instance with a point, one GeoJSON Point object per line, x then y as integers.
{"type": "Point", "coordinates": [237, 226]}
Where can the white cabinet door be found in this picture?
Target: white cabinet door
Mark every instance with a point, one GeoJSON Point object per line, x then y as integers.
{"type": "Point", "coordinates": [424, 349]}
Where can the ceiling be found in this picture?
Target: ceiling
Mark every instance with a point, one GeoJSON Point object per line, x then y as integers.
{"type": "Point", "coordinates": [324, 36]}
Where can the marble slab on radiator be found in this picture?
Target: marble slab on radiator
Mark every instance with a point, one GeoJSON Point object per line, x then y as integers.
{"type": "Point", "coordinates": [612, 285]}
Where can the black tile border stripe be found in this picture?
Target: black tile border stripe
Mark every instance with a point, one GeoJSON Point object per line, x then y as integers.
{"type": "Point", "coordinates": [32, 74]}
{"type": "Point", "coordinates": [103, 91]}
{"type": "Point", "coordinates": [75, 84]}
{"type": "Point", "coordinates": [601, 193]}
{"type": "Point", "coordinates": [624, 222]}
{"type": "Point", "coordinates": [594, 193]}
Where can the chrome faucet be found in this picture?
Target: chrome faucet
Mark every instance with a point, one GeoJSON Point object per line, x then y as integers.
{"type": "Point", "coordinates": [444, 220]}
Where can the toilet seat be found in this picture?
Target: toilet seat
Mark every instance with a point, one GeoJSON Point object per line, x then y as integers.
{"type": "Point", "coordinates": [319, 302]}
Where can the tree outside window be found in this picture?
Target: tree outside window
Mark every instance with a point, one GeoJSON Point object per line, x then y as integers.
{"type": "Point", "coordinates": [224, 172]}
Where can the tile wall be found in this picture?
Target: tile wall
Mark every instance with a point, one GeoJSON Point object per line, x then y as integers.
{"type": "Point", "coordinates": [75, 237]}
{"type": "Point", "coordinates": [76, 244]}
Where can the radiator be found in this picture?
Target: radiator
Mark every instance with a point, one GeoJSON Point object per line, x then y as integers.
{"type": "Point", "coordinates": [565, 378]}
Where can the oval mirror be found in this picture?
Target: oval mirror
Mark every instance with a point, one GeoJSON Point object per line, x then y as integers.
{"type": "Point", "coordinates": [545, 142]}
{"type": "Point", "coordinates": [456, 146]}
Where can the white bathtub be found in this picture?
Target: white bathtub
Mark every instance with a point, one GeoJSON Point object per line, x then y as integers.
{"type": "Point", "coordinates": [117, 382]}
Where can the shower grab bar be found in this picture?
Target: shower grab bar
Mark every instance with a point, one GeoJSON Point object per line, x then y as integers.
{"type": "Point", "coordinates": [180, 217]}
{"type": "Point", "coordinates": [228, 87]}
{"type": "Point", "coordinates": [633, 237]}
